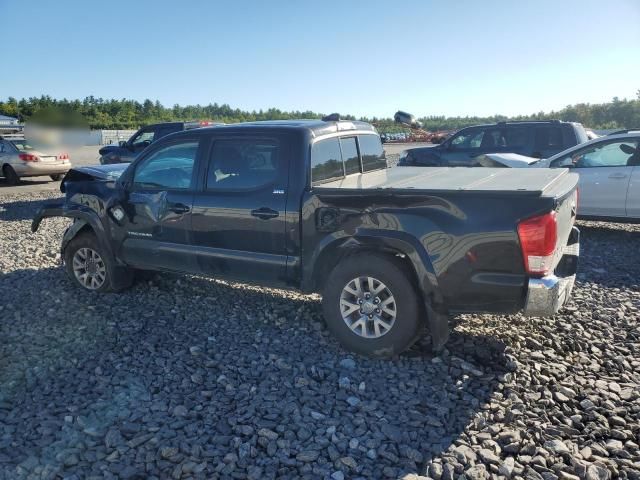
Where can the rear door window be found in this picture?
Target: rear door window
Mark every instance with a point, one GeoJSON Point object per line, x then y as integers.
{"type": "Point", "coordinates": [326, 161]}
{"type": "Point", "coordinates": [493, 138]}
{"type": "Point", "coordinates": [548, 138]}
{"type": "Point", "coordinates": [243, 164]}
{"type": "Point", "coordinates": [516, 137]}
{"type": "Point", "coordinates": [373, 157]}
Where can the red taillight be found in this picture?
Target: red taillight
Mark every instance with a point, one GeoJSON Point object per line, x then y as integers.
{"type": "Point", "coordinates": [27, 157]}
{"type": "Point", "coordinates": [538, 238]}
{"type": "Point", "coordinates": [204, 123]}
{"type": "Point", "coordinates": [63, 156]}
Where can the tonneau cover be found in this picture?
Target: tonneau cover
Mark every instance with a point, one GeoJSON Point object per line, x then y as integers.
{"type": "Point", "coordinates": [535, 182]}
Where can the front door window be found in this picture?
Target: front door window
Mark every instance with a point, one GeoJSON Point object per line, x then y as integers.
{"type": "Point", "coordinates": [169, 168]}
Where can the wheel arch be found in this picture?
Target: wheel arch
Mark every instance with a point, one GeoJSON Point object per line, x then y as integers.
{"type": "Point", "coordinates": [412, 257]}
{"type": "Point", "coordinates": [87, 222]}
{"type": "Point", "coordinates": [78, 227]}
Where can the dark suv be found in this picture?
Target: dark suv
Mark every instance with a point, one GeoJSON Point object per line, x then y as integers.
{"type": "Point", "coordinates": [533, 139]}
{"type": "Point", "coordinates": [127, 152]}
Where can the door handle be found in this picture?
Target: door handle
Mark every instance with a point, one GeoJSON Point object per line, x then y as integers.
{"type": "Point", "coordinates": [264, 213]}
{"type": "Point", "coordinates": [178, 208]}
{"type": "Point", "coordinates": [618, 175]}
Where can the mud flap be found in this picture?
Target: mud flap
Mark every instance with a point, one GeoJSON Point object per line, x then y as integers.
{"type": "Point", "coordinates": [438, 324]}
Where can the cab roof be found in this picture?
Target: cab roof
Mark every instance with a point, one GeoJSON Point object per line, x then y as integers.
{"type": "Point", "coordinates": [315, 128]}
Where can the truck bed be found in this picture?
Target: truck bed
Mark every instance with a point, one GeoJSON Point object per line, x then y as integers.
{"type": "Point", "coordinates": [497, 181]}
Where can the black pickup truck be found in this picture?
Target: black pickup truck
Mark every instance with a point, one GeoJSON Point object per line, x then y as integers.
{"type": "Point", "coordinates": [311, 205]}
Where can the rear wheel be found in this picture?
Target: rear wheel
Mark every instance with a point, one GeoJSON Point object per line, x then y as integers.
{"type": "Point", "coordinates": [10, 175]}
{"type": "Point", "coordinates": [88, 265]}
{"type": "Point", "coordinates": [56, 177]}
{"type": "Point", "coordinates": [371, 306]}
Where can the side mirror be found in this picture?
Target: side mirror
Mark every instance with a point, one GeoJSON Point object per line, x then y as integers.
{"type": "Point", "coordinates": [628, 149]}
{"type": "Point", "coordinates": [122, 143]}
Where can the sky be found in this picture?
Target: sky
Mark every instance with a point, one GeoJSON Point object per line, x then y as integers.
{"type": "Point", "coordinates": [366, 58]}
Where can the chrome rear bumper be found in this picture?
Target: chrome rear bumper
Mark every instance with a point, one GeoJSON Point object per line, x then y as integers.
{"type": "Point", "coordinates": [547, 295]}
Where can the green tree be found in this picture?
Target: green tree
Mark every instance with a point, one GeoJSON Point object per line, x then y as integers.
{"type": "Point", "coordinates": [126, 113]}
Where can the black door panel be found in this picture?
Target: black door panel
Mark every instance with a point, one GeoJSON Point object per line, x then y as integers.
{"type": "Point", "coordinates": [152, 222]}
{"type": "Point", "coordinates": [158, 205]}
{"type": "Point", "coordinates": [238, 221]}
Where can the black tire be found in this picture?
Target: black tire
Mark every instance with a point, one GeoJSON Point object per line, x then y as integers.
{"type": "Point", "coordinates": [56, 177]}
{"type": "Point", "coordinates": [10, 175]}
{"type": "Point", "coordinates": [408, 324]}
{"type": "Point", "coordinates": [88, 240]}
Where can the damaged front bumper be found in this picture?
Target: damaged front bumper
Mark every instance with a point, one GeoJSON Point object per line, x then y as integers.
{"type": "Point", "coordinates": [547, 295]}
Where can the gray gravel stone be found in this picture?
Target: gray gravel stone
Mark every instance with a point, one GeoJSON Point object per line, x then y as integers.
{"type": "Point", "coordinates": [172, 379]}
{"type": "Point", "coordinates": [348, 363]}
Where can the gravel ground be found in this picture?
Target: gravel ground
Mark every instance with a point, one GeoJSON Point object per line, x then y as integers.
{"type": "Point", "coordinates": [185, 377]}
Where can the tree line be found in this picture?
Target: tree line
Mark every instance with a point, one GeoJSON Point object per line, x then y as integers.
{"type": "Point", "coordinates": [98, 113]}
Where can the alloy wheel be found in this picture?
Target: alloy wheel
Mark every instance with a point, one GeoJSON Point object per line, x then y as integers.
{"type": "Point", "coordinates": [89, 268]}
{"type": "Point", "coordinates": [368, 307]}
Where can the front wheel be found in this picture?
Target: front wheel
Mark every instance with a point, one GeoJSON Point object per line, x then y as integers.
{"type": "Point", "coordinates": [371, 306]}
{"type": "Point", "coordinates": [88, 265]}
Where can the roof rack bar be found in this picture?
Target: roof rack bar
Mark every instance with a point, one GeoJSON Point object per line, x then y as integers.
{"type": "Point", "coordinates": [504, 122]}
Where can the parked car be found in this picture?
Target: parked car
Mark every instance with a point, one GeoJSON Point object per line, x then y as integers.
{"type": "Point", "coordinates": [20, 159]}
{"type": "Point", "coordinates": [534, 139]}
{"type": "Point", "coordinates": [311, 205]}
{"type": "Point", "coordinates": [609, 169]}
{"type": "Point", "coordinates": [127, 151]}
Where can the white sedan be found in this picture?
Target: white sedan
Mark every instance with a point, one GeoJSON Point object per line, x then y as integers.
{"type": "Point", "coordinates": [19, 159]}
{"type": "Point", "coordinates": [609, 169]}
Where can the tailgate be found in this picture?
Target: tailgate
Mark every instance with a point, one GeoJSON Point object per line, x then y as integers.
{"type": "Point", "coordinates": [566, 216]}
{"type": "Point", "coordinates": [565, 191]}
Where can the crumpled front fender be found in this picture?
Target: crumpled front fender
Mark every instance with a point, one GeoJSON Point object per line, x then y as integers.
{"type": "Point", "coordinates": [49, 209]}
{"type": "Point", "coordinates": [82, 214]}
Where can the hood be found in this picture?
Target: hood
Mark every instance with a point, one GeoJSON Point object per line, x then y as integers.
{"type": "Point", "coordinates": [509, 160]}
{"type": "Point", "coordinates": [104, 173]}
{"type": "Point", "coordinates": [109, 148]}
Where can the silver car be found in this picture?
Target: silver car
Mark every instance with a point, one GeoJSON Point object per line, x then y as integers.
{"type": "Point", "coordinates": [20, 159]}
